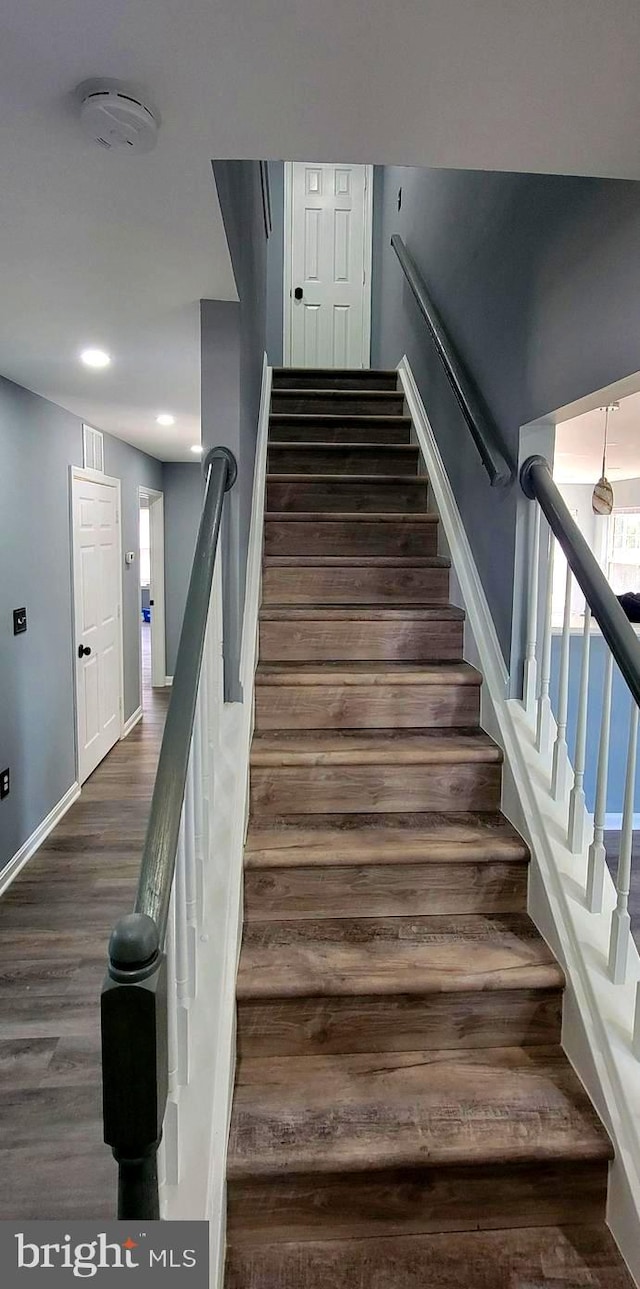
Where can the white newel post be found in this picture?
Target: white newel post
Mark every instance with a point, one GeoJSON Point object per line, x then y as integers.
{"type": "Point", "coordinates": [530, 663]}
{"type": "Point", "coordinates": [577, 801]}
{"type": "Point", "coordinates": [182, 957]}
{"type": "Point", "coordinates": [620, 920]}
{"type": "Point", "coordinates": [597, 851]}
{"type": "Point", "coordinates": [560, 770]}
{"type": "Point", "coordinates": [170, 1128]}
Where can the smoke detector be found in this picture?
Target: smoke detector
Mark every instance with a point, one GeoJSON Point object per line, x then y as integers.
{"type": "Point", "coordinates": [117, 117]}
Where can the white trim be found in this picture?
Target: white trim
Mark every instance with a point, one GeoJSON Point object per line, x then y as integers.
{"type": "Point", "coordinates": [131, 722]}
{"type": "Point", "coordinates": [156, 586]}
{"type": "Point", "coordinates": [39, 834]}
{"type": "Point", "coordinates": [235, 745]}
{"type": "Point", "coordinates": [95, 476]}
{"type": "Point", "coordinates": [613, 823]}
{"type": "Point", "coordinates": [367, 263]}
{"type": "Point", "coordinates": [597, 1015]}
{"type": "Point", "coordinates": [168, 680]}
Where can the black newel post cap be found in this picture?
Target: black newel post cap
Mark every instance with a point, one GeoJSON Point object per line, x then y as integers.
{"type": "Point", "coordinates": [134, 941]}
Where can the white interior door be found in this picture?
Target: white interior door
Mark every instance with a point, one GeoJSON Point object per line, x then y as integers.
{"type": "Point", "coordinates": [97, 610]}
{"type": "Point", "coordinates": [328, 265]}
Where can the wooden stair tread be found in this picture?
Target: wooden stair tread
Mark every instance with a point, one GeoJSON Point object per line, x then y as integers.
{"type": "Point", "coordinates": [410, 1109]}
{"type": "Point", "coordinates": [394, 955]}
{"type": "Point", "coordinates": [384, 395]}
{"type": "Point", "coordinates": [362, 612]}
{"type": "Point", "coordinates": [367, 673]}
{"type": "Point", "coordinates": [356, 561]}
{"type": "Point", "coordinates": [352, 480]}
{"type": "Point", "coordinates": [372, 747]}
{"type": "Point", "coordinates": [332, 418]}
{"type": "Point", "coordinates": [359, 373]}
{"type": "Point", "coordinates": [535, 1257]}
{"type": "Point", "coordinates": [342, 840]}
{"type": "Point", "coordinates": [349, 517]}
{"type": "Point", "coordinates": [295, 445]}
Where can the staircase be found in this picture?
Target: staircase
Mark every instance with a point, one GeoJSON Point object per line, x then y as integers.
{"type": "Point", "coordinates": [403, 1114]}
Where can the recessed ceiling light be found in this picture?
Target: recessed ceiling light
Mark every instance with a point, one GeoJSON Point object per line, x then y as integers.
{"type": "Point", "coordinates": [197, 448]}
{"type": "Point", "coordinates": [95, 358]}
{"type": "Point", "coordinates": [165, 418]}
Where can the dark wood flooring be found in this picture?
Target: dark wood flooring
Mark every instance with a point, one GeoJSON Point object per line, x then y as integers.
{"type": "Point", "coordinates": [55, 922]}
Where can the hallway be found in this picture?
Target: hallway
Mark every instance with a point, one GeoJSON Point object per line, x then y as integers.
{"type": "Point", "coordinates": [55, 921]}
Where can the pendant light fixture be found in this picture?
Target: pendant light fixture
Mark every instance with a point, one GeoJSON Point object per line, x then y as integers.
{"type": "Point", "coordinates": [602, 498]}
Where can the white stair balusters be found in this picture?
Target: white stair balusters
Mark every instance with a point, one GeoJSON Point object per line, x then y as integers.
{"type": "Point", "coordinates": [577, 801]}
{"type": "Point", "coordinates": [597, 851]}
{"type": "Point", "coordinates": [530, 662]}
{"type": "Point", "coordinates": [545, 715]}
{"type": "Point", "coordinates": [192, 802]}
{"type": "Point", "coordinates": [620, 920]}
{"type": "Point", "coordinates": [560, 769]}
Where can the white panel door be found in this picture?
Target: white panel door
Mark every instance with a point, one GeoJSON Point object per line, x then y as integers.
{"type": "Point", "coordinates": [329, 256]}
{"type": "Point", "coordinates": [97, 642]}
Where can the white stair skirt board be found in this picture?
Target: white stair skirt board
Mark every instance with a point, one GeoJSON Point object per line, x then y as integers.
{"type": "Point", "coordinates": [203, 1107]}
{"type": "Point", "coordinates": [598, 1015]}
{"type": "Point", "coordinates": [168, 680]}
{"type": "Point", "coordinates": [39, 834]}
{"type": "Point", "coordinates": [131, 722]}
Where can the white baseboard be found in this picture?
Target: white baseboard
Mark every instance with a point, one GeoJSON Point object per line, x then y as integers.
{"type": "Point", "coordinates": [131, 722]}
{"type": "Point", "coordinates": [31, 845]}
{"type": "Point", "coordinates": [168, 680]}
{"type": "Point", "coordinates": [613, 823]}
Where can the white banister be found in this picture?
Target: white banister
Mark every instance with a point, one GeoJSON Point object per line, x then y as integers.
{"type": "Point", "coordinates": [530, 662]}
{"type": "Point", "coordinates": [577, 802]}
{"type": "Point", "coordinates": [560, 770]}
{"type": "Point", "coordinates": [597, 851]}
{"type": "Point", "coordinates": [543, 728]}
{"type": "Point", "coordinates": [620, 920]}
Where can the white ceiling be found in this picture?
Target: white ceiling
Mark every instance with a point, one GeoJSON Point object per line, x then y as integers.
{"type": "Point", "coordinates": [116, 250]}
{"type": "Point", "coordinates": [578, 450]}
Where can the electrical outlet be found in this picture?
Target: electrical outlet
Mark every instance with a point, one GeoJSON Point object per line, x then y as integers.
{"type": "Point", "coordinates": [5, 783]}
{"type": "Point", "coordinates": [19, 621]}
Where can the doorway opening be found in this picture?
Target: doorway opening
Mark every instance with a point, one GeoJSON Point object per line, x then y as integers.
{"type": "Point", "coordinates": [151, 592]}
{"type": "Point", "coordinates": [328, 221]}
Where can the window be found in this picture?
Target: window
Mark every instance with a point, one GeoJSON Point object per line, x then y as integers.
{"type": "Point", "coordinates": [623, 563]}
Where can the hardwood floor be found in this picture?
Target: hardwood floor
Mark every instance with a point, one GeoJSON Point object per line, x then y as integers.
{"type": "Point", "coordinates": [55, 922]}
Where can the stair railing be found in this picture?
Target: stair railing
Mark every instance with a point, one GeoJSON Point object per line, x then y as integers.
{"type": "Point", "coordinates": [567, 777]}
{"type": "Point", "coordinates": [560, 535]}
{"type": "Point", "coordinates": [153, 950]}
{"type": "Point", "coordinates": [481, 425]}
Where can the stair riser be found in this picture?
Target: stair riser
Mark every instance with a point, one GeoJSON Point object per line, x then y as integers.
{"type": "Point", "coordinates": [314, 380]}
{"type": "Point", "coordinates": [292, 537]}
{"type": "Point", "coordinates": [312, 460]}
{"type": "Point", "coordinates": [403, 641]}
{"type": "Point", "coordinates": [323, 1026]}
{"type": "Point", "coordinates": [360, 789]}
{"type": "Point", "coordinates": [299, 707]}
{"type": "Point", "coordinates": [326, 430]}
{"type": "Point", "coordinates": [360, 403]}
{"type": "Point", "coordinates": [384, 890]}
{"type": "Point", "coordinates": [355, 585]}
{"type": "Point", "coordinates": [379, 495]}
{"type": "Point", "coordinates": [412, 1201]}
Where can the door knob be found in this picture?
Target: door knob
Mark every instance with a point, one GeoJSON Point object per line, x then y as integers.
{"type": "Point", "coordinates": [84, 651]}
{"type": "Point", "coordinates": [298, 293]}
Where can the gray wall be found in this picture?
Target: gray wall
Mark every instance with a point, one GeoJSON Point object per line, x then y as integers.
{"type": "Point", "coordinates": [182, 487]}
{"type": "Point", "coordinates": [537, 279]}
{"type": "Point", "coordinates": [38, 443]}
{"type": "Point", "coordinates": [233, 339]}
{"type": "Point", "coordinates": [275, 267]}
